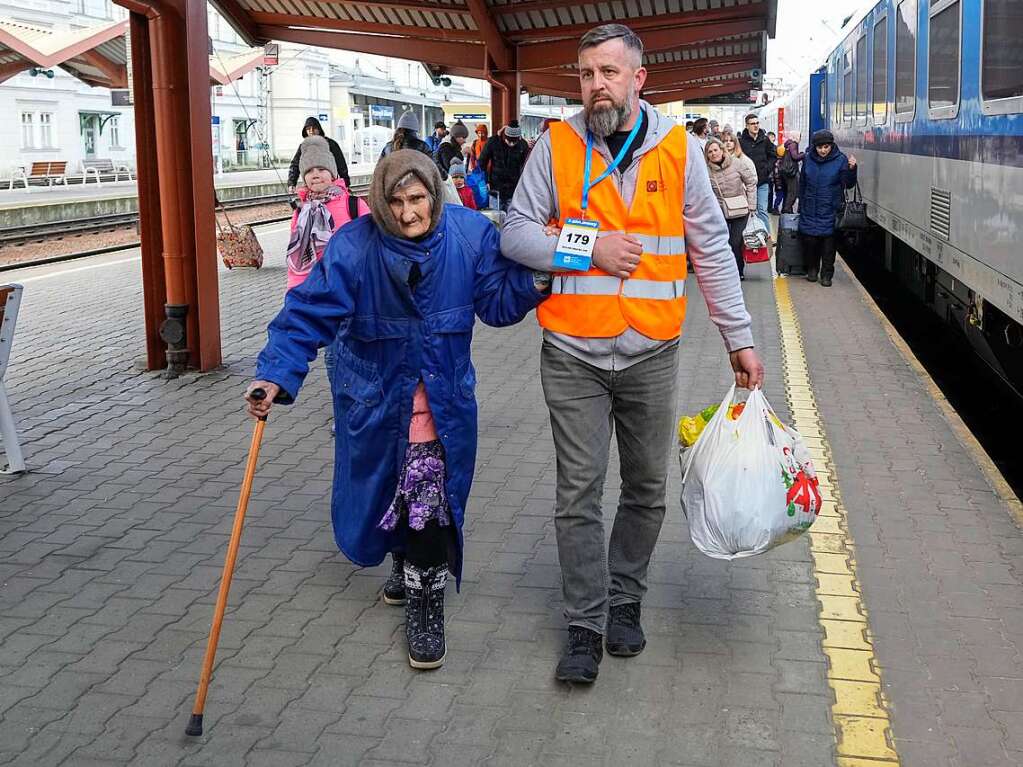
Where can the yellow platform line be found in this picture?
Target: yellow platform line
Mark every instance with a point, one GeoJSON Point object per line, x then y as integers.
{"type": "Point", "coordinates": [860, 712]}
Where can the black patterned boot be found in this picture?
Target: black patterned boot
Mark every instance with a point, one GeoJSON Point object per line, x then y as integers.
{"type": "Point", "coordinates": [424, 615]}
{"type": "Point", "coordinates": [394, 588]}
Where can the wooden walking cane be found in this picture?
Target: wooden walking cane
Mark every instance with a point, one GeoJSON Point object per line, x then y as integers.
{"type": "Point", "coordinates": [195, 722]}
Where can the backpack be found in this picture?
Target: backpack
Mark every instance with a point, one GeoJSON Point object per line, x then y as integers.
{"type": "Point", "coordinates": [789, 167]}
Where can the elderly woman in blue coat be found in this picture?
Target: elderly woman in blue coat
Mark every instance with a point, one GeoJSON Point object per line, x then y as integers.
{"type": "Point", "coordinates": [825, 176]}
{"type": "Point", "coordinates": [403, 289]}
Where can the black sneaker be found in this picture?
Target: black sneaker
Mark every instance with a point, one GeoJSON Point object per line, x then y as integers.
{"type": "Point", "coordinates": [394, 588]}
{"type": "Point", "coordinates": [811, 276]}
{"type": "Point", "coordinates": [825, 282]}
{"type": "Point", "coordinates": [624, 634]}
{"type": "Point", "coordinates": [581, 660]}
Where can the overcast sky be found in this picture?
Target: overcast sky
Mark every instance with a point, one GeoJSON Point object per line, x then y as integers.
{"type": "Point", "coordinates": [807, 31]}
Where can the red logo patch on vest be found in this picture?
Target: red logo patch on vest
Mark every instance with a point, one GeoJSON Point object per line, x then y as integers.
{"type": "Point", "coordinates": [651, 186]}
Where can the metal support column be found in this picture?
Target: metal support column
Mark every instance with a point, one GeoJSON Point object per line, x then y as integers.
{"type": "Point", "coordinates": [154, 289]}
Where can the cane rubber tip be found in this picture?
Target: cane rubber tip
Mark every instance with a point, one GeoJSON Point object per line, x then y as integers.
{"type": "Point", "coordinates": [194, 725]}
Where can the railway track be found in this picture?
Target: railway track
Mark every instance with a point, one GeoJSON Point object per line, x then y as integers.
{"type": "Point", "coordinates": [19, 235]}
{"type": "Point", "coordinates": [22, 235]}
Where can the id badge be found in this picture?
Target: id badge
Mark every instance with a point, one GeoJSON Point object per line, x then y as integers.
{"type": "Point", "coordinates": [575, 245]}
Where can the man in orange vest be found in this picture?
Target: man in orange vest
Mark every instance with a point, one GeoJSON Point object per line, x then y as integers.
{"type": "Point", "coordinates": [629, 192]}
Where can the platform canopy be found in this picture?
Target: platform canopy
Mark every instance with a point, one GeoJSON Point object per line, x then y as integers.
{"type": "Point", "coordinates": [694, 48]}
{"type": "Point", "coordinates": [95, 55]}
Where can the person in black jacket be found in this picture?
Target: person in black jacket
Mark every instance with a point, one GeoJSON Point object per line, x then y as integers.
{"type": "Point", "coordinates": [758, 147]}
{"type": "Point", "coordinates": [312, 127]}
{"type": "Point", "coordinates": [505, 157]}
{"type": "Point", "coordinates": [451, 149]}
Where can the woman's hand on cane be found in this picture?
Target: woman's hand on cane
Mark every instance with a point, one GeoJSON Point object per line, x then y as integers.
{"type": "Point", "coordinates": [260, 408]}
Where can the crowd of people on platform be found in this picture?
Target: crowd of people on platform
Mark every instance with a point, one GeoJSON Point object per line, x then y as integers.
{"type": "Point", "coordinates": [391, 287]}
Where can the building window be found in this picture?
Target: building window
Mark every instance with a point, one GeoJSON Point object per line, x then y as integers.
{"type": "Point", "coordinates": [46, 130]}
{"type": "Point", "coordinates": [943, 56]}
{"type": "Point", "coordinates": [28, 138]}
{"type": "Point", "coordinates": [114, 132]}
{"type": "Point", "coordinates": [861, 77]}
{"type": "Point", "coordinates": [880, 92]}
{"type": "Point", "coordinates": [905, 57]}
{"type": "Point", "coordinates": [1002, 76]}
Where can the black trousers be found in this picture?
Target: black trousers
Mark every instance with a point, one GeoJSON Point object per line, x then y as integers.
{"type": "Point", "coordinates": [791, 193]}
{"type": "Point", "coordinates": [736, 226]}
{"type": "Point", "coordinates": [819, 254]}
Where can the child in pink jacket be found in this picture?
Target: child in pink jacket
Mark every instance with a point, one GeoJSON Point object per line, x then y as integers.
{"type": "Point", "coordinates": [326, 206]}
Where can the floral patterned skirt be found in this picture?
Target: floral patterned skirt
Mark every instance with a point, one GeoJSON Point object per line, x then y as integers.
{"type": "Point", "coordinates": [420, 495]}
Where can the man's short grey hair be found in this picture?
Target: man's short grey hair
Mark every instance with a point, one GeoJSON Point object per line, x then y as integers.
{"type": "Point", "coordinates": [605, 32]}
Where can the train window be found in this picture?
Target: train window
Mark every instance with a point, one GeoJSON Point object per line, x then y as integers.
{"type": "Point", "coordinates": [1002, 65]}
{"type": "Point", "coordinates": [943, 58]}
{"type": "Point", "coordinates": [847, 85]}
{"type": "Point", "coordinates": [880, 94]}
{"type": "Point", "coordinates": [861, 76]}
{"type": "Point", "coordinates": [905, 58]}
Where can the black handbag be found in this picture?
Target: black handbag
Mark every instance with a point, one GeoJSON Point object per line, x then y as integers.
{"type": "Point", "coordinates": [852, 216]}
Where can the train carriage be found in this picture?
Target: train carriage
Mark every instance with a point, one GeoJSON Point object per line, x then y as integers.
{"type": "Point", "coordinates": [928, 94]}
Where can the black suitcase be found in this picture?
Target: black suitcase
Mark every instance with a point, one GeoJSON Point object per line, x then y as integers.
{"type": "Point", "coordinates": [788, 253]}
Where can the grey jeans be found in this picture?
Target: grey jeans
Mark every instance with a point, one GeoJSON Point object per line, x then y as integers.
{"type": "Point", "coordinates": [587, 404]}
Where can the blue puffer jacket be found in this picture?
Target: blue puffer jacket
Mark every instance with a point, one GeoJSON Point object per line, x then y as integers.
{"type": "Point", "coordinates": [822, 185]}
{"type": "Point", "coordinates": [391, 338]}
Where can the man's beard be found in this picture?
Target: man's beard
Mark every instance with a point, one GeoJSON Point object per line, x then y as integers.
{"type": "Point", "coordinates": [604, 120]}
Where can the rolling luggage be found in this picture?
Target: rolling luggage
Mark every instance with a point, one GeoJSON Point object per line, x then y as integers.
{"type": "Point", "coordinates": [788, 253]}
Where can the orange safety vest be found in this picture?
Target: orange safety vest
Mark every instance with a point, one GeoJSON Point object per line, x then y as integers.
{"type": "Point", "coordinates": [594, 304]}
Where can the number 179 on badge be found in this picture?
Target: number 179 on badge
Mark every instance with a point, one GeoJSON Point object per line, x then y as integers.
{"type": "Point", "coordinates": [575, 245]}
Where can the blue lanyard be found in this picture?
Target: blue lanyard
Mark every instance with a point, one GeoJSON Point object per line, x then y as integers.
{"type": "Point", "coordinates": [611, 168]}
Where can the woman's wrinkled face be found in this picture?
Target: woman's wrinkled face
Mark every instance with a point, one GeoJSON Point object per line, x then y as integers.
{"type": "Point", "coordinates": [714, 153]}
{"type": "Point", "coordinates": [411, 207]}
{"type": "Point", "coordinates": [824, 150]}
{"type": "Point", "coordinates": [317, 180]}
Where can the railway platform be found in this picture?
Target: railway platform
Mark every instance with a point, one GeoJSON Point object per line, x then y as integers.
{"type": "Point", "coordinates": [891, 634]}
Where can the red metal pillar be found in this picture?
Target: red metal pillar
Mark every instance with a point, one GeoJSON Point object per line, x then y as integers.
{"type": "Point", "coordinates": [171, 71]}
{"type": "Point", "coordinates": [504, 97]}
{"type": "Point", "coordinates": [204, 333]}
{"type": "Point", "coordinates": [154, 290]}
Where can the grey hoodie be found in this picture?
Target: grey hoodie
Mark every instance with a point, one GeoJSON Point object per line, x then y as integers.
{"type": "Point", "coordinates": [536, 202]}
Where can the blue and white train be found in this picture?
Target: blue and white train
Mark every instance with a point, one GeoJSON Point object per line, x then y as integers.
{"type": "Point", "coordinates": [928, 94]}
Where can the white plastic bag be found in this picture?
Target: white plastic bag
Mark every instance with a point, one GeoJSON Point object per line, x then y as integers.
{"type": "Point", "coordinates": [748, 485]}
{"type": "Point", "coordinates": [754, 235]}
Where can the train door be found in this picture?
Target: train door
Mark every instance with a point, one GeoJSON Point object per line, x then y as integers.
{"type": "Point", "coordinates": [818, 100]}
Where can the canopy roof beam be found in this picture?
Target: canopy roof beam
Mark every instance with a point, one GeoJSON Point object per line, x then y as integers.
{"type": "Point", "coordinates": [552, 54]}
{"type": "Point", "coordinates": [431, 51]}
{"type": "Point", "coordinates": [497, 47]}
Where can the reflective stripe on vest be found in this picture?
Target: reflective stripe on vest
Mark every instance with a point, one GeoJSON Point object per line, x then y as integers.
{"type": "Point", "coordinates": [594, 304]}
{"type": "Point", "coordinates": [597, 285]}
{"type": "Point", "coordinates": [656, 245]}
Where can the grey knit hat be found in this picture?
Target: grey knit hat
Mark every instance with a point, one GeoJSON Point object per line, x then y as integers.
{"type": "Point", "coordinates": [512, 130]}
{"type": "Point", "coordinates": [393, 169]}
{"type": "Point", "coordinates": [314, 152]}
{"type": "Point", "coordinates": [459, 130]}
{"type": "Point", "coordinates": [409, 121]}
{"type": "Point", "coordinates": [457, 168]}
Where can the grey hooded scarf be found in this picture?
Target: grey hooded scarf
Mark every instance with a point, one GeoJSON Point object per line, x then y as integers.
{"type": "Point", "coordinates": [392, 169]}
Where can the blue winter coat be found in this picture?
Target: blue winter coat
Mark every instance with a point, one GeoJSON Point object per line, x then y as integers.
{"type": "Point", "coordinates": [390, 339]}
{"type": "Point", "coordinates": [822, 185]}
